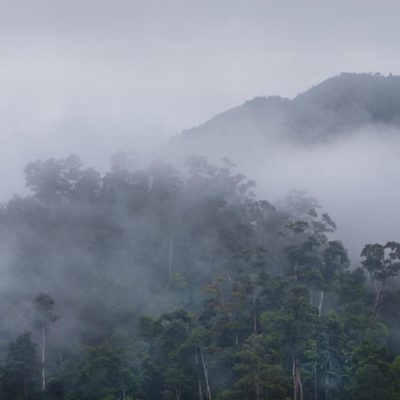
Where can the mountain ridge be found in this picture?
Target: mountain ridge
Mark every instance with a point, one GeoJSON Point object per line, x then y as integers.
{"type": "Point", "coordinates": [337, 105]}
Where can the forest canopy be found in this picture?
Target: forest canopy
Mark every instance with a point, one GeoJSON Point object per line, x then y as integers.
{"type": "Point", "coordinates": [163, 284]}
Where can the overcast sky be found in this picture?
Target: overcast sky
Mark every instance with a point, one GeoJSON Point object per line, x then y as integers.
{"type": "Point", "coordinates": [94, 76]}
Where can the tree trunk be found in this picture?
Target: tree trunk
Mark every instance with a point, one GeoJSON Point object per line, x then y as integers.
{"type": "Point", "coordinates": [200, 386]}
{"type": "Point", "coordinates": [257, 385]}
{"type": "Point", "coordinates": [255, 322]}
{"type": "Point", "coordinates": [326, 388]}
{"type": "Point", "coordinates": [379, 285]}
{"type": "Point", "coordinates": [123, 391]}
{"type": "Point", "coordinates": [297, 384]}
{"type": "Point", "coordinates": [327, 383]}
{"type": "Point", "coordinates": [294, 379]}
{"type": "Point", "coordinates": [171, 253]}
{"type": "Point", "coordinates": [43, 359]}
{"type": "Point", "coordinates": [205, 375]}
{"type": "Point", "coordinates": [257, 391]}
{"type": "Point", "coordinates": [321, 302]}
{"type": "Point", "coordinates": [315, 377]}
{"type": "Point", "coordinates": [254, 315]}
{"type": "Point", "coordinates": [178, 392]}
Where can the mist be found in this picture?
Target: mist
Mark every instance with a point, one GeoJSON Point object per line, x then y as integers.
{"type": "Point", "coordinates": [91, 79]}
{"type": "Point", "coordinates": [199, 200]}
{"type": "Point", "coordinates": [353, 178]}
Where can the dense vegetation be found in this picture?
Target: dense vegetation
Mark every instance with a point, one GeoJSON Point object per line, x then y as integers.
{"type": "Point", "coordinates": [153, 284]}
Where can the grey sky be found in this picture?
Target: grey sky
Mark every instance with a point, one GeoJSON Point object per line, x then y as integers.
{"type": "Point", "coordinates": [94, 76]}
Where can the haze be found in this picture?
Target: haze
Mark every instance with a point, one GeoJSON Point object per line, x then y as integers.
{"type": "Point", "coordinates": [94, 77]}
{"type": "Point", "coordinates": [199, 200]}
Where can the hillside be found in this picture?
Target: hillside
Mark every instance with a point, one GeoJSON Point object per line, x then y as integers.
{"type": "Point", "coordinates": [336, 106]}
{"type": "Point", "coordinates": [193, 283]}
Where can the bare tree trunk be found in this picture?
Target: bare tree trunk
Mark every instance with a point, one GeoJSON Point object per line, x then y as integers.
{"type": "Point", "coordinates": [255, 322]}
{"type": "Point", "coordinates": [254, 315]}
{"type": "Point", "coordinates": [379, 285]}
{"type": "Point", "coordinates": [178, 393]}
{"type": "Point", "coordinates": [326, 389]}
{"type": "Point", "coordinates": [205, 375]}
{"type": "Point", "coordinates": [123, 391]}
{"type": "Point", "coordinates": [315, 378]}
{"type": "Point", "coordinates": [171, 253]}
{"type": "Point", "coordinates": [43, 359]}
{"type": "Point", "coordinates": [294, 380]}
{"type": "Point", "coordinates": [200, 386]}
{"type": "Point", "coordinates": [297, 384]}
{"type": "Point", "coordinates": [257, 391]}
{"type": "Point", "coordinates": [257, 385]}
{"type": "Point", "coordinates": [301, 388]}
{"type": "Point", "coordinates": [321, 302]}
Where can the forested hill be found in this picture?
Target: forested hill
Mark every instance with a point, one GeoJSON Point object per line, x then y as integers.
{"type": "Point", "coordinates": [337, 106]}
{"type": "Point", "coordinates": [152, 284]}
{"type": "Point", "coordinates": [339, 141]}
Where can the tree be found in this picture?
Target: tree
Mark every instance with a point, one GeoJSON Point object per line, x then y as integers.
{"type": "Point", "coordinates": [290, 329]}
{"type": "Point", "coordinates": [44, 304]}
{"type": "Point", "coordinates": [260, 373]}
{"type": "Point", "coordinates": [52, 180]}
{"type": "Point", "coordinates": [382, 263]}
{"type": "Point", "coordinates": [104, 372]}
{"type": "Point", "coordinates": [21, 379]}
{"type": "Point", "coordinates": [370, 378]}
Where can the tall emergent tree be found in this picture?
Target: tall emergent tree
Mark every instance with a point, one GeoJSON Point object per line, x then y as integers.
{"type": "Point", "coordinates": [44, 305]}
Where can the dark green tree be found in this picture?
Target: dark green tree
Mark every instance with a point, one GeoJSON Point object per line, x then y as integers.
{"type": "Point", "coordinates": [382, 263]}
{"type": "Point", "coordinates": [21, 375]}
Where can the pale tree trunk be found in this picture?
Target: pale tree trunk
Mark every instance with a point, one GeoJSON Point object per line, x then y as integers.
{"type": "Point", "coordinates": [171, 253]}
{"type": "Point", "coordinates": [295, 393]}
{"type": "Point", "coordinates": [379, 285]}
{"type": "Point", "coordinates": [254, 315]}
{"type": "Point", "coordinates": [327, 380]}
{"type": "Point", "coordinates": [200, 386]}
{"type": "Point", "coordinates": [205, 375]}
{"type": "Point", "coordinates": [178, 392]}
{"type": "Point", "coordinates": [297, 384]}
{"type": "Point", "coordinates": [123, 391]}
{"type": "Point", "coordinates": [315, 377]}
{"type": "Point", "coordinates": [257, 391]}
{"type": "Point", "coordinates": [321, 302]}
{"type": "Point", "coordinates": [255, 322]}
{"type": "Point", "coordinates": [43, 358]}
{"type": "Point", "coordinates": [326, 389]}
{"type": "Point", "coordinates": [257, 385]}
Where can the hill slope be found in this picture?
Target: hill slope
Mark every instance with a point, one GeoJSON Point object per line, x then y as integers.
{"type": "Point", "coordinates": [336, 106]}
{"type": "Point", "coordinates": [339, 141]}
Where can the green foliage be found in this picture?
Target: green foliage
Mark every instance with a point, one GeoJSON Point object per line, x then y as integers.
{"type": "Point", "coordinates": [184, 286]}
{"type": "Point", "coordinates": [21, 375]}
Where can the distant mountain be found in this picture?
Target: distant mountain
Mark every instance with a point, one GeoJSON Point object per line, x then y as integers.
{"type": "Point", "coordinates": [339, 141]}
{"type": "Point", "coordinates": [334, 107]}
{"type": "Point", "coordinates": [346, 102]}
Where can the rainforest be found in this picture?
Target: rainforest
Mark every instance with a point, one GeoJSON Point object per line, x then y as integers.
{"type": "Point", "coordinates": [158, 284]}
